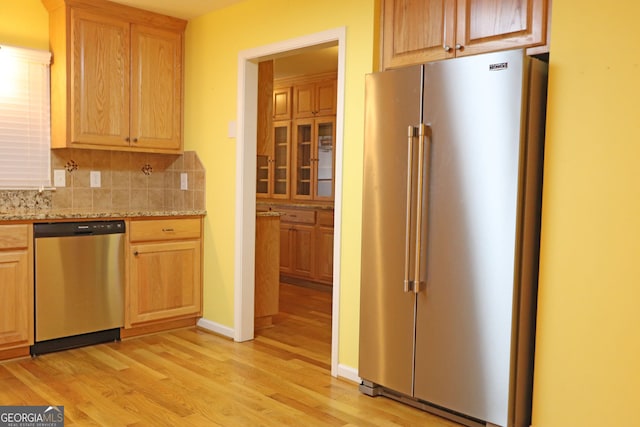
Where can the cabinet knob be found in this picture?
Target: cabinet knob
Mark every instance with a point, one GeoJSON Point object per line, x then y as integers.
{"type": "Point", "coordinates": [446, 48]}
{"type": "Point", "coordinates": [135, 139]}
{"type": "Point", "coordinates": [459, 46]}
{"type": "Point", "coordinates": [136, 253]}
{"type": "Point", "coordinates": [127, 139]}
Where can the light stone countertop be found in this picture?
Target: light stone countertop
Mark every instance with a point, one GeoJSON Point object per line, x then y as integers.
{"type": "Point", "coordinates": [269, 213]}
{"type": "Point", "coordinates": [63, 214]}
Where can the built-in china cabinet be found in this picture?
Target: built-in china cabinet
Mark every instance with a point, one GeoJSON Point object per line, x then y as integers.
{"type": "Point", "coordinates": [297, 160]}
{"type": "Point", "coordinates": [296, 169]}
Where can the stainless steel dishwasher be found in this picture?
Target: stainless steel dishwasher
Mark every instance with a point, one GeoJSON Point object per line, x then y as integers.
{"type": "Point", "coordinates": [79, 283]}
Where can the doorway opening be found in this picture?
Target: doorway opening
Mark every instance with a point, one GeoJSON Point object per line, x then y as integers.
{"type": "Point", "coordinates": [246, 177]}
{"type": "Point", "coordinates": [294, 199]}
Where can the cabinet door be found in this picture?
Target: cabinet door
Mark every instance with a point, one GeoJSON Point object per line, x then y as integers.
{"type": "Point", "coordinates": [267, 274]}
{"type": "Point", "coordinates": [314, 99]}
{"type": "Point", "coordinates": [16, 300]}
{"type": "Point", "coordinates": [280, 161]}
{"type": "Point", "coordinates": [416, 31]}
{"type": "Point", "coordinates": [324, 254]}
{"type": "Point", "coordinates": [491, 25]}
{"type": "Point", "coordinates": [326, 94]}
{"type": "Point", "coordinates": [302, 175]}
{"type": "Point", "coordinates": [100, 55]}
{"type": "Point", "coordinates": [314, 159]}
{"type": "Point", "coordinates": [303, 247]}
{"type": "Point", "coordinates": [273, 172]}
{"type": "Point", "coordinates": [282, 103]}
{"type": "Point", "coordinates": [285, 248]}
{"type": "Point", "coordinates": [156, 98]}
{"type": "Point", "coordinates": [323, 159]}
{"type": "Point", "coordinates": [304, 100]}
{"type": "Point", "coordinates": [164, 281]}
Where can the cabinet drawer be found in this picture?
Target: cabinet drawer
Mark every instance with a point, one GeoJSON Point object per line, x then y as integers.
{"type": "Point", "coordinates": [298, 216]}
{"type": "Point", "coordinates": [164, 229]}
{"type": "Point", "coordinates": [325, 218]}
{"type": "Point", "coordinates": [14, 236]}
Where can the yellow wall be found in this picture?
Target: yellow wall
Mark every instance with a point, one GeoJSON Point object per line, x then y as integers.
{"type": "Point", "coordinates": [24, 23]}
{"type": "Point", "coordinates": [587, 370]}
{"type": "Point", "coordinates": [212, 46]}
{"type": "Point", "coordinates": [588, 342]}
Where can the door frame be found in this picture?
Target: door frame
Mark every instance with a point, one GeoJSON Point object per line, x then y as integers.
{"type": "Point", "coordinates": [245, 128]}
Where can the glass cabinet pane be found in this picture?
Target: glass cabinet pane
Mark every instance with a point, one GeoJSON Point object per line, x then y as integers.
{"type": "Point", "coordinates": [303, 159]}
{"type": "Point", "coordinates": [262, 175]}
{"type": "Point", "coordinates": [281, 160]}
{"type": "Point", "coordinates": [324, 155]}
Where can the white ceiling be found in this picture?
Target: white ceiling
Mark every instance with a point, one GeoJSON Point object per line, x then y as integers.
{"type": "Point", "coordinates": [185, 9]}
{"type": "Point", "coordinates": [310, 61]}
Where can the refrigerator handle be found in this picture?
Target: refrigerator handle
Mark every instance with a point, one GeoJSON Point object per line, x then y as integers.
{"type": "Point", "coordinates": [407, 234]}
{"type": "Point", "coordinates": [423, 139]}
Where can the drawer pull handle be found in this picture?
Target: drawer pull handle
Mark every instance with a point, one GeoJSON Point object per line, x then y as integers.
{"type": "Point", "coordinates": [136, 253]}
{"type": "Point", "coordinates": [168, 230]}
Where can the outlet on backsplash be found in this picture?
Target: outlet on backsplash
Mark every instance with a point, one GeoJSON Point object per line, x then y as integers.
{"type": "Point", "coordinates": [59, 178]}
{"type": "Point", "coordinates": [184, 183]}
{"type": "Point", "coordinates": [95, 179]}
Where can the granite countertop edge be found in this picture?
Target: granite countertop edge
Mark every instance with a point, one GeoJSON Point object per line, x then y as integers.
{"type": "Point", "coordinates": [289, 205]}
{"type": "Point", "coordinates": [70, 214]}
{"type": "Point", "coordinates": [269, 213]}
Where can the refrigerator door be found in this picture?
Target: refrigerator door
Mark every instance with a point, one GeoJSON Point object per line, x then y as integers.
{"type": "Point", "coordinates": [465, 318]}
{"type": "Point", "coordinates": [387, 313]}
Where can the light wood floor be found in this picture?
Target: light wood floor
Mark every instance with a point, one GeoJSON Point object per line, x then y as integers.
{"type": "Point", "coordinates": [191, 377]}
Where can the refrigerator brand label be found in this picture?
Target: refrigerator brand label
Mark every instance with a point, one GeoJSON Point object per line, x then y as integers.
{"type": "Point", "coordinates": [499, 66]}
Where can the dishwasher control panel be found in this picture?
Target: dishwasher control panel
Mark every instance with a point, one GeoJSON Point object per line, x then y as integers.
{"type": "Point", "coordinates": [60, 229]}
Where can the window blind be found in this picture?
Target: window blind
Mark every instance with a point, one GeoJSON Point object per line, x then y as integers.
{"type": "Point", "coordinates": [25, 134]}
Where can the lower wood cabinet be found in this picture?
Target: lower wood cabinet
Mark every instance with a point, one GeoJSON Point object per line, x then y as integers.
{"type": "Point", "coordinates": [267, 274]}
{"type": "Point", "coordinates": [165, 270]}
{"type": "Point", "coordinates": [324, 246]}
{"type": "Point", "coordinates": [306, 244]}
{"type": "Point", "coordinates": [16, 288]}
{"type": "Point", "coordinates": [297, 242]}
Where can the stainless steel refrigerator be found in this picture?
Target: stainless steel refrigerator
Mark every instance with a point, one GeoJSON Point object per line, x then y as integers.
{"type": "Point", "coordinates": [450, 235]}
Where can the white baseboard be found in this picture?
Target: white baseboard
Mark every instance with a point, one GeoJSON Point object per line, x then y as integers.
{"type": "Point", "coordinates": [349, 373]}
{"type": "Point", "coordinates": [215, 327]}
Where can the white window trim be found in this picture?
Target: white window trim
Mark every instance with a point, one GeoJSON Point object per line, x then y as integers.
{"type": "Point", "coordinates": [25, 122]}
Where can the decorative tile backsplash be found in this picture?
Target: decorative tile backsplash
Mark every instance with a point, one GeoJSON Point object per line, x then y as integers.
{"type": "Point", "coordinates": [127, 182]}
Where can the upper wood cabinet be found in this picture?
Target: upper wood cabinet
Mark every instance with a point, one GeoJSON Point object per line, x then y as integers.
{"type": "Point", "coordinates": [313, 159]}
{"type": "Point", "coordinates": [282, 103]}
{"type": "Point", "coordinates": [116, 77]}
{"type": "Point", "coordinates": [317, 98]}
{"type": "Point", "coordinates": [417, 31]}
{"type": "Point", "coordinates": [273, 171]}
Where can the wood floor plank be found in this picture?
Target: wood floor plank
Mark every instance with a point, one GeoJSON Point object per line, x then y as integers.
{"type": "Point", "coordinates": [192, 377]}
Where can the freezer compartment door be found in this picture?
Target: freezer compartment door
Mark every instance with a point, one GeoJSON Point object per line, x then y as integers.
{"type": "Point", "coordinates": [387, 312]}
{"type": "Point", "coordinates": [465, 317]}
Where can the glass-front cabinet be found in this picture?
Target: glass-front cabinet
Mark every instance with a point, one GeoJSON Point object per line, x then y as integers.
{"type": "Point", "coordinates": [272, 175]}
{"type": "Point", "coordinates": [313, 159]}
